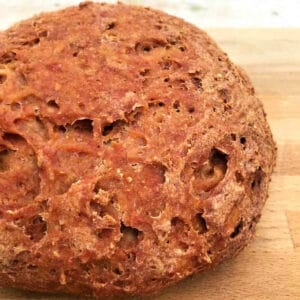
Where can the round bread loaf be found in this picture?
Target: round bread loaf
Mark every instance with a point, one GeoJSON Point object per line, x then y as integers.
{"type": "Point", "coordinates": [133, 153]}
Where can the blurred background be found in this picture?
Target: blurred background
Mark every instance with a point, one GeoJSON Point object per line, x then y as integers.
{"type": "Point", "coordinates": [203, 13]}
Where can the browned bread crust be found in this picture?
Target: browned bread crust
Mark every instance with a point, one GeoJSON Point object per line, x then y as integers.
{"type": "Point", "coordinates": [133, 153]}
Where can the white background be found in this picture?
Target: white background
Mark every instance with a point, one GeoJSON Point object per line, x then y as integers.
{"type": "Point", "coordinates": [204, 13]}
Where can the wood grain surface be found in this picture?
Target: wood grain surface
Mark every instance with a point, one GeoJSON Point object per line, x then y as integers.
{"type": "Point", "coordinates": [269, 268]}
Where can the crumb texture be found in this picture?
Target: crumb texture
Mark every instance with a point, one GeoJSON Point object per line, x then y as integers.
{"type": "Point", "coordinates": [133, 153]}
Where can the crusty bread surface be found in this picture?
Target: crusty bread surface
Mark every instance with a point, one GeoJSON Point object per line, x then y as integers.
{"type": "Point", "coordinates": [133, 153]}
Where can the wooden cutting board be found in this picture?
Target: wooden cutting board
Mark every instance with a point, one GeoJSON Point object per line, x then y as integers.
{"type": "Point", "coordinates": [269, 268]}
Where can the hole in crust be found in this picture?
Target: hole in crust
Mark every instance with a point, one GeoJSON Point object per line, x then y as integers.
{"type": "Point", "coordinates": [52, 104]}
{"type": "Point", "coordinates": [199, 223]}
{"type": "Point", "coordinates": [36, 228]}
{"type": "Point", "coordinates": [237, 230]}
{"type": "Point", "coordinates": [109, 127]}
{"type": "Point", "coordinates": [243, 140]}
{"type": "Point", "coordinates": [3, 78]}
{"type": "Point", "coordinates": [59, 128]}
{"type": "Point", "coordinates": [179, 231]}
{"type": "Point", "coordinates": [208, 176]}
{"type": "Point", "coordinates": [110, 25]}
{"type": "Point", "coordinates": [149, 45]}
{"type": "Point", "coordinates": [130, 235]}
{"type": "Point", "coordinates": [85, 125]}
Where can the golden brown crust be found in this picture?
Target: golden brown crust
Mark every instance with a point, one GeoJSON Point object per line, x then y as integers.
{"type": "Point", "coordinates": [133, 153]}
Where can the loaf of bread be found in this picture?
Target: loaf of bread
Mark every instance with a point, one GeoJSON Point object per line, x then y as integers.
{"type": "Point", "coordinates": [133, 153]}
